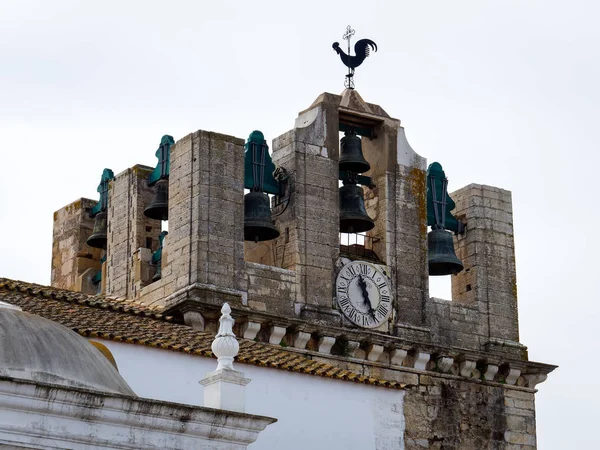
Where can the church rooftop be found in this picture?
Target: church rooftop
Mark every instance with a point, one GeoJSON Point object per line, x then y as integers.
{"type": "Point", "coordinates": [128, 322]}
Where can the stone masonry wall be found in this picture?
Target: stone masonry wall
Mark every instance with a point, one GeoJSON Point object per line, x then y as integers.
{"type": "Point", "coordinates": [71, 256]}
{"type": "Point", "coordinates": [271, 289]}
{"type": "Point", "coordinates": [399, 217]}
{"type": "Point", "coordinates": [410, 252]}
{"type": "Point", "coordinates": [128, 228]}
{"type": "Point", "coordinates": [206, 214]}
{"type": "Point", "coordinates": [483, 310]}
{"type": "Point", "coordinates": [456, 325]}
{"type": "Point", "coordinates": [312, 218]}
{"type": "Point", "coordinates": [444, 414]}
{"type": "Point", "coordinates": [488, 254]}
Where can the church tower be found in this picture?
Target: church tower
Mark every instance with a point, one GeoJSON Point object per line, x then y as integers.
{"type": "Point", "coordinates": [360, 301]}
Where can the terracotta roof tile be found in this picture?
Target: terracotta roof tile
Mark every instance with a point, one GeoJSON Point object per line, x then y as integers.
{"type": "Point", "coordinates": [131, 322]}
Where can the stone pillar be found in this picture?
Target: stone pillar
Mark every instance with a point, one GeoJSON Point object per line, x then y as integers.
{"type": "Point", "coordinates": [143, 269]}
{"type": "Point", "coordinates": [487, 251]}
{"type": "Point", "coordinates": [128, 228]}
{"type": "Point", "coordinates": [398, 206]}
{"type": "Point", "coordinates": [309, 241]}
{"type": "Point", "coordinates": [71, 256]}
{"type": "Point", "coordinates": [408, 248]}
{"type": "Point", "coordinates": [206, 220]}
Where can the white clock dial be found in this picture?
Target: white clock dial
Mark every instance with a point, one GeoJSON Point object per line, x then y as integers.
{"type": "Point", "coordinates": [364, 294]}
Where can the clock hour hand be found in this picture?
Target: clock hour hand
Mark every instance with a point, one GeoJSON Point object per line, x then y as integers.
{"type": "Point", "coordinates": [363, 287]}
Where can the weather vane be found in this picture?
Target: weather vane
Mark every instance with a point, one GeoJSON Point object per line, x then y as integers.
{"type": "Point", "coordinates": [362, 49]}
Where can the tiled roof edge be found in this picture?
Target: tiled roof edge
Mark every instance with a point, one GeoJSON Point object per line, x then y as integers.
{"type": "Point", "coordinates": [94, 301]}
{"type": "Point", "coordinates": [281, 360]}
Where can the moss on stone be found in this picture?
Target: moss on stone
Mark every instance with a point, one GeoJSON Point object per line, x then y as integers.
{"type": "Point", "coordinates": [418, 188]}
{"type": "Point", "coordinates": [75, 206]}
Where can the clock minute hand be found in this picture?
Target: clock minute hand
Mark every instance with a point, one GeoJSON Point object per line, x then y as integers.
{"type": "Point", "coordinates": [363, 287]}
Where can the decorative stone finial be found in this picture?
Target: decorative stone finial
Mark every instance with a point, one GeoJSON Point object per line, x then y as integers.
{"type": "Point", "coordinates": [225, 346]}
{"type": "Point", "coordinates": [225, 387]}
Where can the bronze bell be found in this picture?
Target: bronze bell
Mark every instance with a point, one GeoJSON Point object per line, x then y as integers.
{"type": "Point", "coordinates": [157, 276]}
{"type": "Point", "coordinates": [98, 237]}
{"type": "Point", "coordinates": [353, 215]}
{"type": "Point", "coordinates": [351, 155]}
{"type": "Point", "coordinates": [258, 225]}
{"type": "Point", "coordinates": [442, 258]}
{"type": "Point", "coordinates": [158, 208]}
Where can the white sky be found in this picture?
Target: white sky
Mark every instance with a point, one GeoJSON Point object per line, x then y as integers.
{"type": "Point", "coordinates": [504, 93]}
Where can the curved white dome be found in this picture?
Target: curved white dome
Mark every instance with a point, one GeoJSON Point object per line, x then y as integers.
{"type": "Point", "coordinates": [37, 349]}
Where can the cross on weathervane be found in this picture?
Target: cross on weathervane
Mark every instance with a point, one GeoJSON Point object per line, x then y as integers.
{"type": "Point", "coordinates": [347, 35]}
{"type": "Point", "coordinates": [362, 49]}
{"type": "Point", "coordinates": [349, 82]}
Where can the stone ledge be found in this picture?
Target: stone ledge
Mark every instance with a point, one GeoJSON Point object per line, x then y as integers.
{"type": "Point", "coordinates": [368, 347]}
{"type": "Point", "coordinates": [149, 420]}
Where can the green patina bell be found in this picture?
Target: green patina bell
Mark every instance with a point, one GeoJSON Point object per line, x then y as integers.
{"type": "Point", "coordinates": [98, 238]}
{"type": "Point", "coordinates": [258, 225]}
{"type": "Point", "coordinates": [157, 256]}
{"type": "Point", "coordinates": [258, 177]}
{"type": "Point", "coordinates": [351, 155]}
{"type": "Point", "coordinates": [353, 215]}
{"type": "Point", "coordinates": [442, 258]}
{"type": "Point", "coordinates": [158, 208]}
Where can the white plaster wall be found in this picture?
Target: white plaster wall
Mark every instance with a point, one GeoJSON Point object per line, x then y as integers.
{"type": "Point", "coordinates": [313, 412]}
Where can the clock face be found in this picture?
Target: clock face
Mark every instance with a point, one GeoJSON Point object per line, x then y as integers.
{"type": "Point", "coordinates": [364, 294]}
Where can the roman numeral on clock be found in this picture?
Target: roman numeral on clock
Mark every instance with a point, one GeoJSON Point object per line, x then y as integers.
{"type": "Point", "coordinates": [364, 269]}
{"type": "Point", "coordinates": [345, 302]}
{"type": "Point", "coordinates": [366, 321]}
{"type": "Point", "coordinates": [381, 309]}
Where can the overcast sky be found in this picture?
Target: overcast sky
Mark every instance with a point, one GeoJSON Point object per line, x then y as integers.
{"type": "Point", "coordinates": [505, 93]}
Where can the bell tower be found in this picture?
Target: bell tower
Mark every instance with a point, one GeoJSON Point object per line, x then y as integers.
{"type": "Point", "coordinates": [264, 230]}
{"type": "Point", "coordinates": [395, 201]}
{"type": "Point", "coordinates": [274, 253]}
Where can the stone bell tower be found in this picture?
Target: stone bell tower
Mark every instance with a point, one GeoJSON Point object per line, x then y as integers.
{"type": "Point", "coordinates": [295, 283]}
{"type": "Point", "coordinates": [395, 201]}
{"type": "Point", "coordinates": [296, 288]}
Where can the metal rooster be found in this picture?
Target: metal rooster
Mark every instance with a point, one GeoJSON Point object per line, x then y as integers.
{"type": "Point", "coordinates": [362, 49]}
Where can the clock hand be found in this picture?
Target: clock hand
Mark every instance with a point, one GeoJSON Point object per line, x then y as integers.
{"type": "Point", "coordinates": [363, 287]}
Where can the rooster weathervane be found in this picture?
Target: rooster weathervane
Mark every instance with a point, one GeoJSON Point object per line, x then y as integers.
{"type": "Point", "coordinates": [362, 49]}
